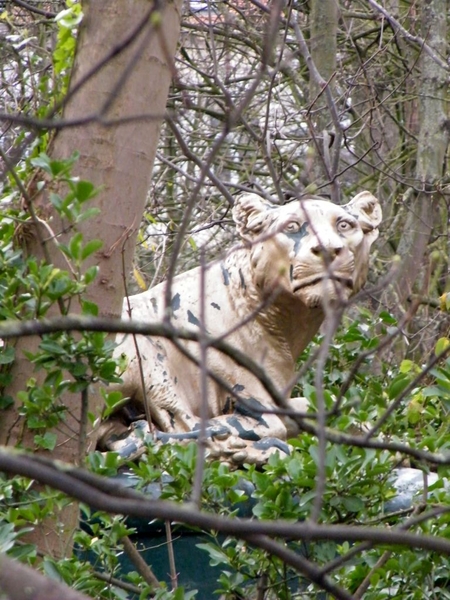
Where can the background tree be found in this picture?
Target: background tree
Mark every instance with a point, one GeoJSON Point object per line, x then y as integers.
{"type": "Point", "coordinates": [112, 116]}
{"type": "Point", "coordinates": [257, 102]}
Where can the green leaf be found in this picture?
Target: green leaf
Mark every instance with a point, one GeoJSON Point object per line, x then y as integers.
{"type": "Point", "coordinates": [7, 355]}
{"type": "Point", "coordinates": [353, 503]}
{"type": "Point", "coordinates": [112, 460]}
{"type": "Point", "coordinates": [46, 441]}
{"type": "Point", "coordinates": [91, 274]}
{"type": "Point", "coordinates": [7, 536]}
{"type": "Point", "coordinates": [91, 247]}
{"type": "Point", "coordinates": [108, 371]}
{"type": "Point", "coordinates": [432, 390]}
{"type": "Point", "coordinates": [70, 17]}
{"type": "Point", "coordinates": [24, 551]}
{"type": "Point", "coordinates": [388, 318]}
{"type": "Point", "coordinates": [6, 402]}
{"type": "Point", "coordinates": [217, 557]}
{"type": "Point", "coordinates": [75, 246]}
{"type": "Point", "coordinates": [88, 214]}
{"type": "Point", "coordinates": [398, 385]}
{"type": "Point", "coordinates": [181, 594]}
{"type": "Point", "coordinates": [42, 162]}
{"type": "Point", "coordinates": [23, 396]}
{"type": "Point", "coordinates": [51, 570]}
{"type": "Point", "coordinates": [406, 366]}
{"type": "Point", "coordinates": [89, 308]}
{"type": "Point", "coordinates": [414, 411]}
{"type": "Point", "coordinates": [84, 190]}
{"type": "Point", "coordinates": [235, 496]}
{"type": "Point", "coordinates": [113, 399]}
{"type": "Point", "coordinates": [52, 347]}
{"type": "Point", "coordinates": [59, 166]}
{"type": "Point", "coordinates": [441, 346]}
{"type": "Point", "coordinates": [56, 200]}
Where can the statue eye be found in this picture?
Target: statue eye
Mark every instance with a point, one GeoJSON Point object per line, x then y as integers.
{"type": "Point", "coordinates": [292, 227]}
{"type": "Point", "coordinates": [344, 226]}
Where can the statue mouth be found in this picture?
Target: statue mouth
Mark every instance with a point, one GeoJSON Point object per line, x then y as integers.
{"type": "Point", "coordinates": [344, 281]}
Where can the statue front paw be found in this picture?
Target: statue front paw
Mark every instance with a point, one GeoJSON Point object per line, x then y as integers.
{"type": "Point", "coordinates": [235, 451]}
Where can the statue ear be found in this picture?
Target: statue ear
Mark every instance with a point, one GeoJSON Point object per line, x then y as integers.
{"type": "Point", "coordinates": [366, 208]}
{"type": "Point", "coordinates": [249, 214]}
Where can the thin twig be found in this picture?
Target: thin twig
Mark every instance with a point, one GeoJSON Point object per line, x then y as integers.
{"type": "Point", "coordinates": [412, 39]}
{"type": "Point", "coordinates": [145, 402]}
{"type": "Point", "coordinates": [141, 566]}
{"type": "Point", "coordinates": [172, 566]}
{"type": "Point", "coordinates": [301, 564]}
{"type": "Point", "coordinates": [124, 585]}
{"type": "Point", "coordinates": [321, 476]}
{"type": "Point", "coordinates": [196, 496]}
{"type": "Point", "coordinates": [84, 419]}
{"type": "Point", "coordinates": [35, 9]}
{"type": "Point", "coordinates": [232, 120]}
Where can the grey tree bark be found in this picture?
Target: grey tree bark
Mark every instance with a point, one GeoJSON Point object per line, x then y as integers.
{"type": "Point", "coordinates": [323, 30]}
{"type": "Point", "coordinates": [431, 151]}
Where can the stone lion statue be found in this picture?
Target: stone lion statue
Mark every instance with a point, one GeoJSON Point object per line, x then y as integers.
{"type": "Point", "coordinates": [266, 298]}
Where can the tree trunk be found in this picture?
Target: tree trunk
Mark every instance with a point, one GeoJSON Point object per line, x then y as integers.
{"type": "Point", "coordinates": [117, 158]}
{"type": "Point", "coordinates": [431, 151]}
{"type": "Point", "coordinates": [324, 21]}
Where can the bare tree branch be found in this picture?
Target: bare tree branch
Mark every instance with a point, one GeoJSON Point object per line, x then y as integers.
{"type": "Point", "coordinates": [103, 494]}
{"type": "Point", "coordinates": [412, 39]}
{"type": "Point", "coordinates": [19, 582]}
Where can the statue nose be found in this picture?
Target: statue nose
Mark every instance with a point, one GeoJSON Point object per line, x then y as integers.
{"type": "Point", "coordinates": [327, 251]}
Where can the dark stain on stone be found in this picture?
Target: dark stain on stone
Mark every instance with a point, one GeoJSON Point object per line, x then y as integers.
{"type": "Point", "coordinates": [297, 237]}
{"type": "Point", "coordinates": [175, 302]}
{"type": "Point", "coordinates": [268, 443]}
{"type": "Point", "coordinates": [250, 407]}
{"type": "Point", "coordinates": [245, 434]}
{"type": "Point", "coordinates": [242, 279]}
{"type": "Point", "coordinates": [226, 275]}
{"type": "Point", "coordinates": [193, 319]}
